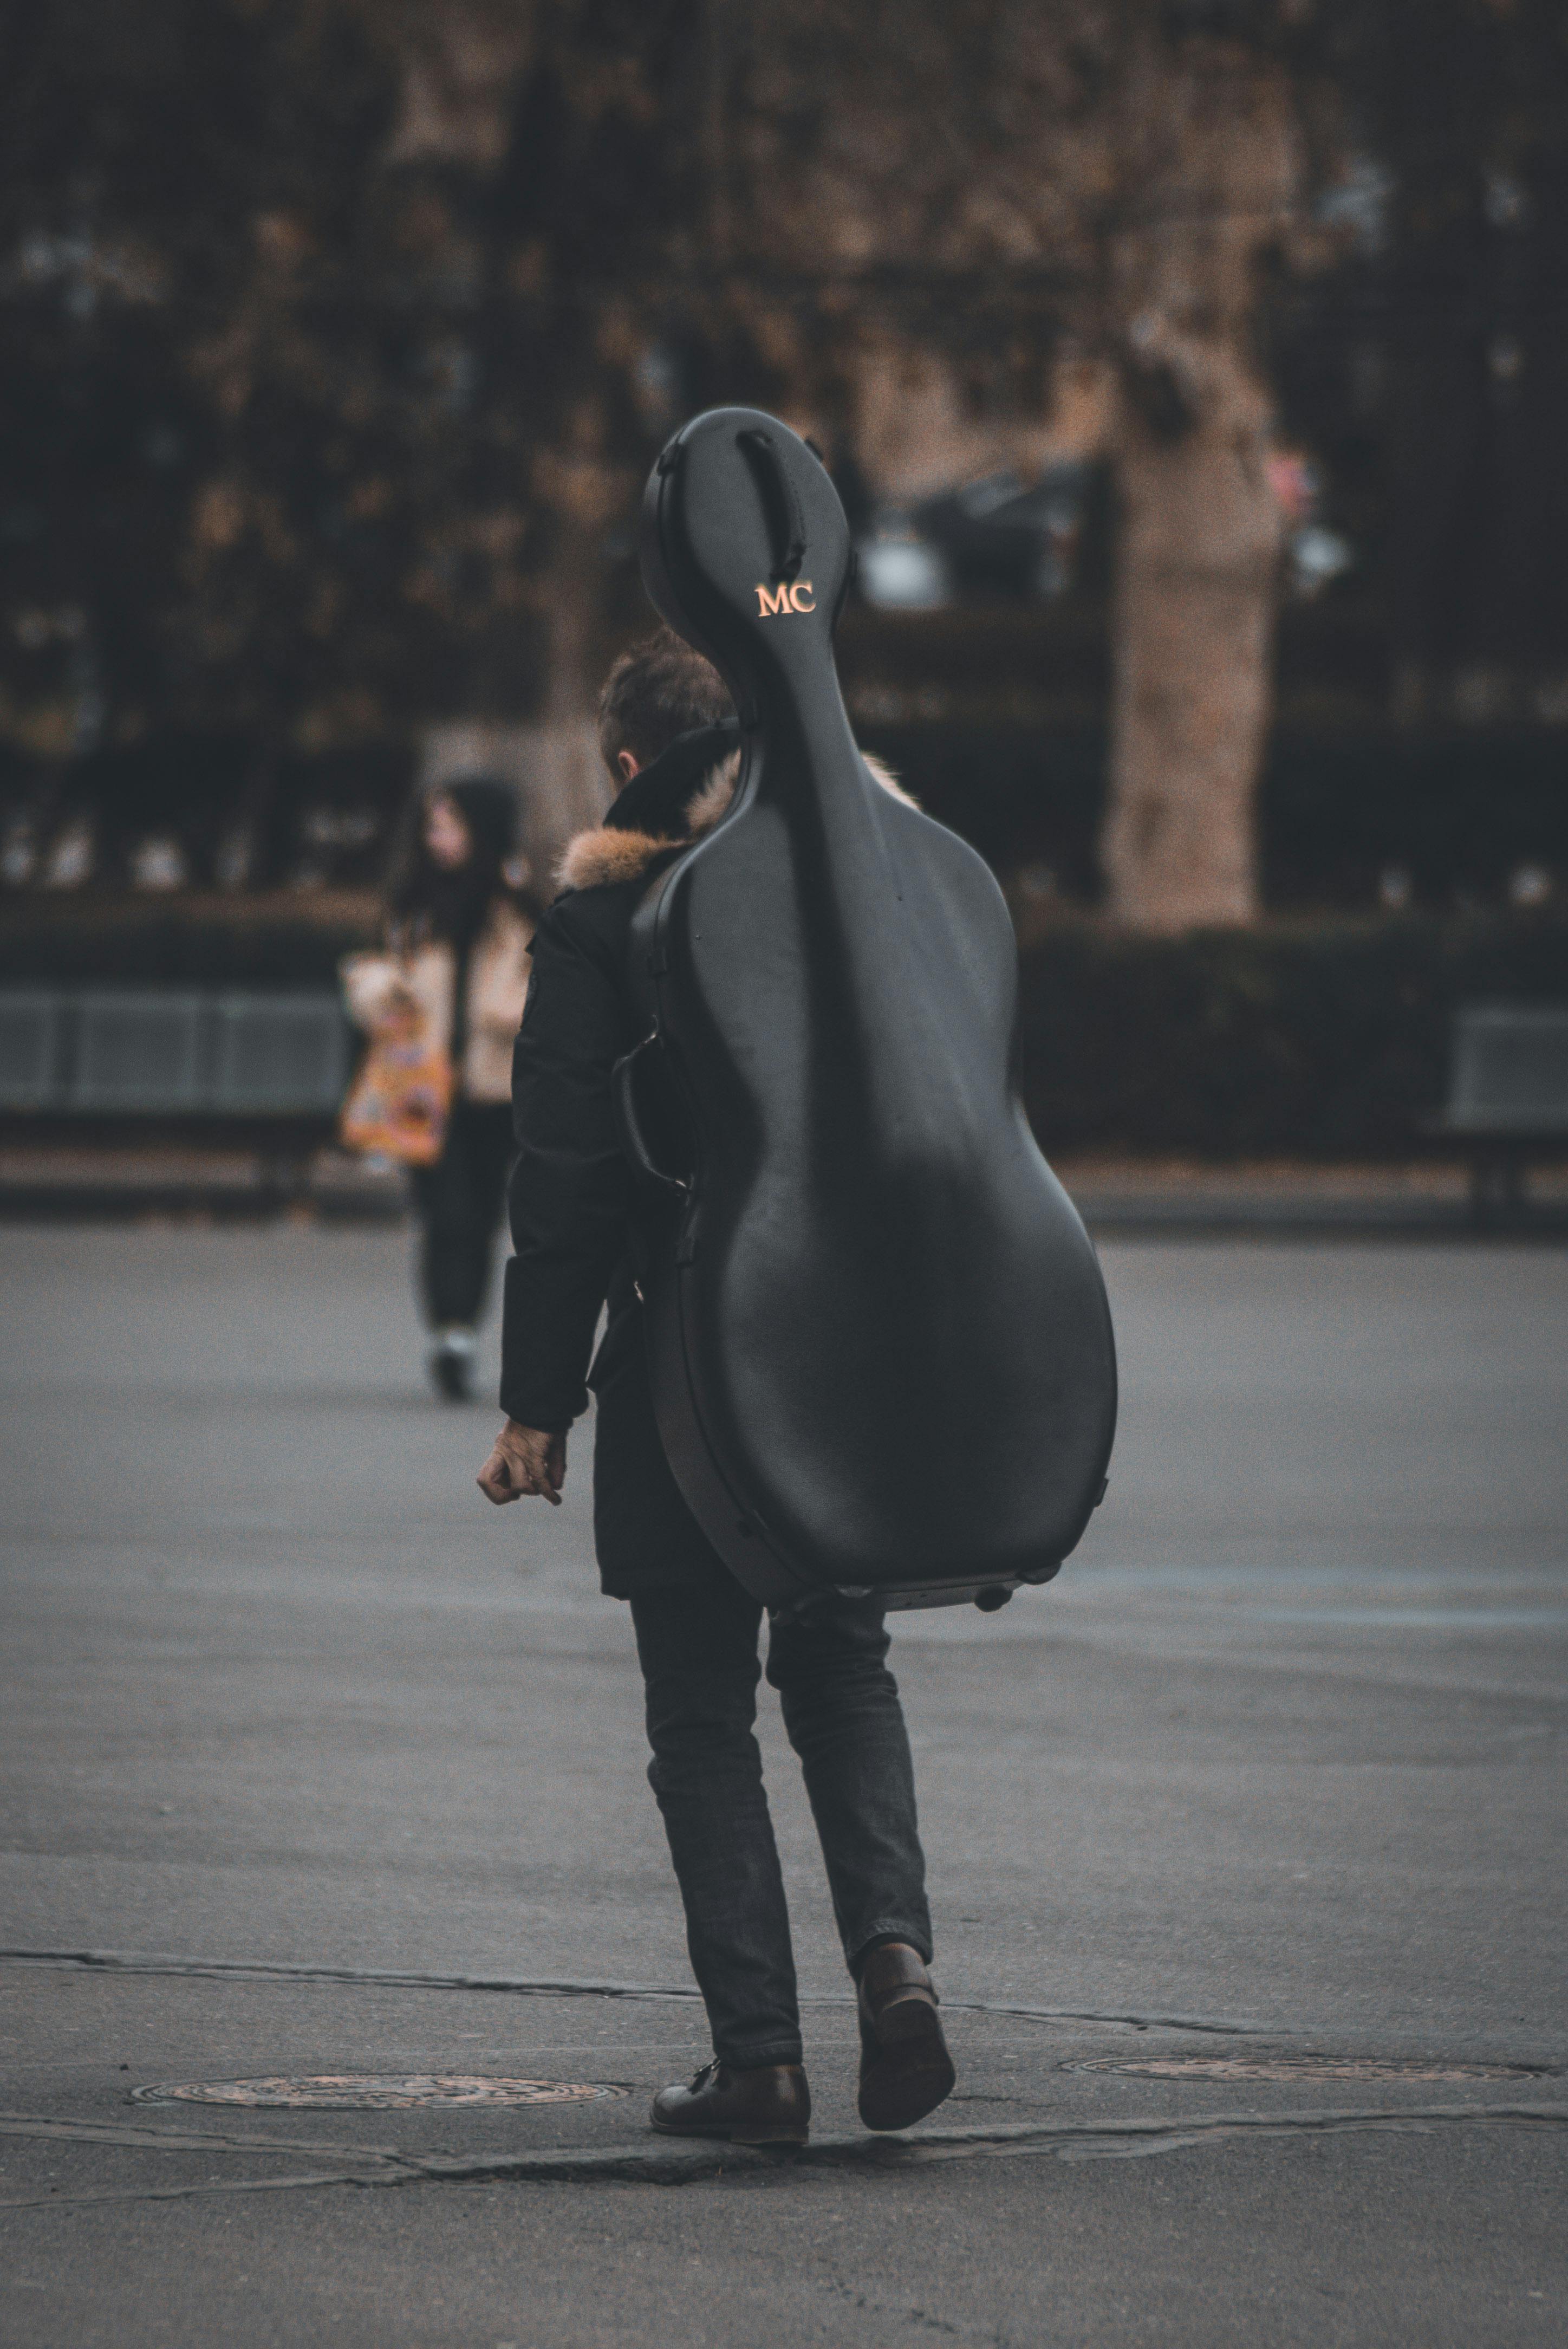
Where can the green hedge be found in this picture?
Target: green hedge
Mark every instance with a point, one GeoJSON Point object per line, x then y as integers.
{"type": "Point", "coordinates": [1325, 1040]}
{"type": "Point", "coordinates": [1322, 1040]}
{"type": "Point", "coordinates": [196, 942]}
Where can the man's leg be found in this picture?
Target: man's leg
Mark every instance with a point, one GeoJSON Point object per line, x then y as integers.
{"type": "Point", "coordinates": [697, 1648]}
{"type": "Point", "coordinates": [842, 1711]}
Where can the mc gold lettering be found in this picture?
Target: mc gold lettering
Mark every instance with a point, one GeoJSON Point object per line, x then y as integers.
{"type": "Point", "coordinates": [778, 603]}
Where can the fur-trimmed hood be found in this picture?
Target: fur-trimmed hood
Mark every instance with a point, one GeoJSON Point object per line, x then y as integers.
{"type": "Point", "coordinates": [675, 800]}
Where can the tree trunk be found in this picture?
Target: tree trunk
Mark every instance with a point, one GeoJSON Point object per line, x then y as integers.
{"type": "Point", "coordinates": [1195, 617]}
{"type": "Point", "coordinates": [552, 762]}
{"type": "Point", "coordinates": [1213, 169]}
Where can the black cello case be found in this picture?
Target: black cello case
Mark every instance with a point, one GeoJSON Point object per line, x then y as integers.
{"type": "Point", "coordinates": [880, 1345]}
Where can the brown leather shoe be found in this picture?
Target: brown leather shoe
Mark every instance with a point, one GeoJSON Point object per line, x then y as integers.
{"type": "Point", "coordinates": [769, 2105]}
{"type": "Point", "coordinates": [905, 2068]}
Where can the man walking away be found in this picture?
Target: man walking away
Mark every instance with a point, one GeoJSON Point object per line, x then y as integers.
{"type": "Point", "coordinates": [671, 743]}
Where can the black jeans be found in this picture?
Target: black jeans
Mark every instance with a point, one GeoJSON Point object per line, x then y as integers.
{"type": "Point", "coordinates": [459, 1202]}
{"type": "Point", "coordinates": [697, 1647]}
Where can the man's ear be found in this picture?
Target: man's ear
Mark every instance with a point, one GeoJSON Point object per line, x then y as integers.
{"type": "Point", "coordinates": [628, 763]}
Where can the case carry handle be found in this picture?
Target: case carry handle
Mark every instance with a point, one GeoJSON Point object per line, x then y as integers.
{"type": "Point", "coordinates": [629, 1124]}
{"type": "Point", "coordinates": [780, 502]}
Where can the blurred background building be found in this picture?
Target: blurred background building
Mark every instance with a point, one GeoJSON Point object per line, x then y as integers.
{"type": "Point", "coordinates": [1192, 372]}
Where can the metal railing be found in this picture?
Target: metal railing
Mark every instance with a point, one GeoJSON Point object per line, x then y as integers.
{"type": "Point", "coordinates": [172, 1052]}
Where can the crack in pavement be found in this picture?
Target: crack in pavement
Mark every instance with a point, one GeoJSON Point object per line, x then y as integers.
{"type": "Point", "coordinates": [131, 1961]}
{"type": "Point", "coordinates": [145, 2139]}
{"type": "Point", "coordinates": [208, 2185]}
{"type": "Point", "coordinates": [679, 2164]}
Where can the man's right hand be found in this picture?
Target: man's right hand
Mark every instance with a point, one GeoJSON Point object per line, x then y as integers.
{"type": "Point", "coordinates": [530, 1460]}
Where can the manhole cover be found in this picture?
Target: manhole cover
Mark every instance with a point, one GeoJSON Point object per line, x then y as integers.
{"type": "Point", "coordinates": [1306, 2067]}
{"type": "Point", "coordinates": [380, 2092]}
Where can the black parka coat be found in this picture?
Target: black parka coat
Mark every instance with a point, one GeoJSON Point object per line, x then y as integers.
{"type": "Point", "coordinates": [570, 1197]}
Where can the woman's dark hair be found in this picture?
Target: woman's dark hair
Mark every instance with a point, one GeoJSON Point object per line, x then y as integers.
{"type": "Point", "coordinates": [432, 902]}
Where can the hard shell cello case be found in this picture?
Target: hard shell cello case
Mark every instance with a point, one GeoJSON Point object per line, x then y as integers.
{"type": "Point", "coordinates": [879, 1340]}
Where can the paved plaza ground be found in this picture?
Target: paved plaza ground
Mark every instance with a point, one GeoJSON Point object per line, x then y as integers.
{"type": "Point", "coordinates": [1246, 1839]}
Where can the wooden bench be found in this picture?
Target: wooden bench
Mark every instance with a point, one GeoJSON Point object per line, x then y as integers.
{"type": "Point", "coordinates": [1508, 1097]}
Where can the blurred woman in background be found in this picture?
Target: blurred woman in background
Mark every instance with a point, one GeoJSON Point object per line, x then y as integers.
{"type": "Point", "coordinates": [458, 929]}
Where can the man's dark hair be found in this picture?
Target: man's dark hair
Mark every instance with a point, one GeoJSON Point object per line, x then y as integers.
{"type": "Point", "coordinates": [657, 690]}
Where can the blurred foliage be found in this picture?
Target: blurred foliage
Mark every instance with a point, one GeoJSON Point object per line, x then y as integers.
{"type": "Point", "coordinates": [1430, 369]}
{"type": "Point", "coordinates": [261, 941]}
{"type": "Point", "coordinates": [323, 394]}
{"type": "Point", "coordinates": [196, 455]}
{"type": "Point", "coordinates": [274, 400]}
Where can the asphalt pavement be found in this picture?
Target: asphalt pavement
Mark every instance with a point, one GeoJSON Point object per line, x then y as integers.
{"type": "Point", "coordinates": [1247, 1844]}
